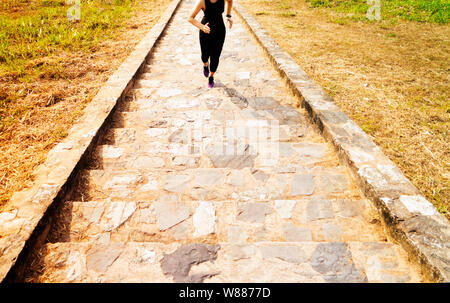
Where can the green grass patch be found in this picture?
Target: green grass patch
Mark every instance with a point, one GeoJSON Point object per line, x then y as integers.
{"type": "Point", "coordinates": [35, 33]}
{"type": "Point", "coordinates": [33, 30]}
{"type": "Point", "coordinates": [433, 11]}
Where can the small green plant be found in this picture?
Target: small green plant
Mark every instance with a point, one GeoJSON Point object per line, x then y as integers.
{"type": "Point", "coordinates": [341, 21]}
{"type": "Point", "coordinates": [289, 14]}
{"type": "Point", "coordinates": [370, 126]}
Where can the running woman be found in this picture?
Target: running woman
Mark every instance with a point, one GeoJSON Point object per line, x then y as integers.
{"type": "Point", "coordinates": [212, 33]}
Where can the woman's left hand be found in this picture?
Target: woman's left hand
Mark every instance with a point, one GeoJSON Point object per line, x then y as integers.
{"type": "Point", "coordinates": [230, 21]}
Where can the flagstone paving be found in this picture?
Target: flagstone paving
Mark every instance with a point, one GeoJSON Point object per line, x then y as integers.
{"type": "Point", "coordinates": [231, 184]}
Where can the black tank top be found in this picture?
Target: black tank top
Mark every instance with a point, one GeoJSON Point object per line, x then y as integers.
{"type": "Point", "coordinates": [214, 11]}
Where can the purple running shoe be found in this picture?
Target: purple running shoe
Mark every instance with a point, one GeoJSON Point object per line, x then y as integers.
{"type": "Point", "coordinates": [211, 82]}
{"type": "Point", "coordinates": [206, 70]}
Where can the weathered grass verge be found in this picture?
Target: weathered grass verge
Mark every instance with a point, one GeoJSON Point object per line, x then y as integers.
{"type": "Point", "coordinates": [51, 68]}
{"type": "Point", "coordinates": [391, 77]}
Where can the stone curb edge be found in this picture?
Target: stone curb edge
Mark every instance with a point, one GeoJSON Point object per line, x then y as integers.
{"type": "Point", "coordinates": [410, 218]}
{"type": "Point", "coordinates": [28, 208]}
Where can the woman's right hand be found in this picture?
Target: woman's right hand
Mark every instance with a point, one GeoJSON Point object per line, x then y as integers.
{"type": "Point", "coordinates": [206, 28]}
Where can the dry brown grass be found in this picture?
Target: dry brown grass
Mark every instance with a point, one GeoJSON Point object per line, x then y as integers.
{"type": "Point", "coordinates": [390, 78]}
{"type": "Point", "coordinates": [51, 106]}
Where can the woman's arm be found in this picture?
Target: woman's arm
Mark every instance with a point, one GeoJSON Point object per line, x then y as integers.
{"type": "Point", "coordinates": [198, 6]}
{"type": "Point", "coordinates": [229, 7]}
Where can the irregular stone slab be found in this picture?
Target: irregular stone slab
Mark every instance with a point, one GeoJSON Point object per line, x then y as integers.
{"type": "Point", "coordinates": [118, 213]}
{"type": "Point", "coordinates": [235, 156]}
{"type": "Point", "coordinates": [147, 216]}
{"type": "Point", "coordinates": [253, 212]}
{"type": "Point", "coordinates": [92, 214]}
{"type": "Point", "coordinates": [184, 61]}
{"type": "Point", "coordinates": [319, 209]}
{"type": "Point", "coordinates": [239, 252]}
{"type": "Point", "coordinates": [334, 262]}
{"type": "Point", "coordinates": [333, 183]}
{"type": "Point", "coordinates": [148, 162]}
{"type": "Point", "coordinates": [260, 175]}
{"type": "Point", "coordinates": [169, 214]}
{"type": "Point", "coordinates": [236, 178]}
{"type": "Point", "coordinates": [213, 103]}
{"type": "Point", "coordinates": [123, 181]}
{"type": "Point", "coordinates": [350, 208]}
{"type": "Point", "coordinates": [209, 177]}
{"type": "Point", "coordinates": [176, 183]}
{"type": "Point", "coordinates": [204, 219]}
{"type": "Point", "coordinates": [148, 83]}
{"type": "Point", "coordinates": [111, 152]}
{"type": "Point", "coordinates": [181, 230]}
{"type": "Point", "coordinates": [332, 232]}
{"type": "Point", "coordinates": [284, 208]}
{"type": "Point", "coordinates": [237, 235]}
{"type": "Point", "coordinates": [103, 239]}
{"type": "Point", "coordinates": [243, 82]}
{"type": "Point", "coordinates": [185, 161]}
{"type": "Point", "coordinates": [259, 103]}
{"type": "Point", "coordinates": [178, 264]}
{"type": "Point", "coordinates": [100, 257]}
{"type": "Point", "coordinates": [144, 255]}
{"type": "Point", "coordinates": [182, 102]}
{"type": "Point", "coordinates": [179, 136]}
{"type": "Point", "coordinates": [166, 92]}
{"type": "Point", "coordinates": [243, 75]}
{"type": "Point", "coordinates": [302, 185]}
{"type": "Point", "coordinates": [120, 136]}
{"type": "Point", "coordinates": [286, 150]}
{"type": "Point", "coordinates": [297, 234]}
{"type": "Point", "coordinates": [156, 132]}
{"type": "Point", "coordinates": [152, 184]}
{"type": "Point", "coordinates": [287, 115]}
{"type": "Point", "coordinates": [310, 150]}
{"type": "Point", "coordinates": [292, 254]}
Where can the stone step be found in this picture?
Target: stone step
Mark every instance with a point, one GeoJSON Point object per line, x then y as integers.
{"type": "Point", "coordinates": [240, 184]}
{"type": "Point", "coordinates": [159, 131]}
{"type": "Point", "coordinates": [168, 220]}
{"type": "Point", "coordinates": [182, 111]}
{"type": "Point", "coordinates": [222, 262]}
{"type": "Point", "coordinates": [140, 150]}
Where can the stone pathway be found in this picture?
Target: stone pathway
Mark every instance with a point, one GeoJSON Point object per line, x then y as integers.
{"type": "Point", "coordinates": [231, 184]}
